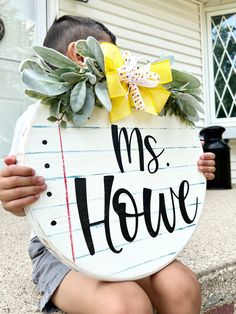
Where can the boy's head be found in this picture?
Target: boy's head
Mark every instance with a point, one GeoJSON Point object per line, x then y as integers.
{"type": "Point", "coordinates": [68, 29]}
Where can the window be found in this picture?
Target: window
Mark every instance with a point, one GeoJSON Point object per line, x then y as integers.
{"type": "Point", "coordinates": [25, 25]}
{"type": "Point", "coordinates": [222, 66]}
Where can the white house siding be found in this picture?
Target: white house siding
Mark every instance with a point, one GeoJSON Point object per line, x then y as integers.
{"type": "Point", "coordinates": [233, 159]}
{"type": "Point", "coordinates": [232, 144]}
{"type": "Point", "coordinates": [150, 27]}
{"type": "Point", "coordinates": [216, 3]}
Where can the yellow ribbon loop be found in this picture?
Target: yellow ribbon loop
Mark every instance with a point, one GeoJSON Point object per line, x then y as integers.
{"type": "Point", "coordinates": [130, 86]}
{"type": "Point", "coordinates": [134, 77]}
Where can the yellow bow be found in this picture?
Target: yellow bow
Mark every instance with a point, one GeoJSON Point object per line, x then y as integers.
{"type": "Point", "coordinates": [130, 86]}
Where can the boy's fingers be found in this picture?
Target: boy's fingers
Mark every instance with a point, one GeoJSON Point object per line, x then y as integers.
{"type": "Point", "coordinates": [207, 169]}
{"type": "Point", "coordinates": [16, 207]}
{"type": "Point", "coordinates": [19, 187]}
{"type": "Point", "coordinates": [18, 181]}
{"type": "Point", "coordinates": [21, 192]}
{"type": "Point", "coordinates": [14, 170]}
{"type": "Point", "coordinates": [209, 176]}
{"type": "Point", "coordinates": [10, 160]}
{"type": "Point", "coordinates": [207, 156]}
{"type": "Point", "coordinates": [203, 162]}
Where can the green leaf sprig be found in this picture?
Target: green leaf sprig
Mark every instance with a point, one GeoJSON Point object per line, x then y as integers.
{"type": "Point", "coordinates": [184, 98]}
{"type": "Point", "coordinates": [70, 90]}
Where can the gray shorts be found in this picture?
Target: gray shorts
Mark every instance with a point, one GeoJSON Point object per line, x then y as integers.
{"type": "Point", "coordinates": [48, 272]}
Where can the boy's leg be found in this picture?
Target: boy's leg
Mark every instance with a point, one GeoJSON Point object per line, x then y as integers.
{"type": "Point", "coordinates": [79, 294]}
{"type": "Point", "coordinates": [173, 290]}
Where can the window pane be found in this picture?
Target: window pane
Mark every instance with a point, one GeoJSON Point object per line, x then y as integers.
{"type": "Point", "coordinates": [232, 83]}
{"type": "Point", "coordinates": [234, 111]}
{"type": "Point", "coordinates": [19, 21]}
{"type": "Point", "coordinates": [223, 32]}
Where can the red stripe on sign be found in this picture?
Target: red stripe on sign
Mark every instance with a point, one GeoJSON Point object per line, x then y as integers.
{"type": "Point", "coordinates": [67, 194]}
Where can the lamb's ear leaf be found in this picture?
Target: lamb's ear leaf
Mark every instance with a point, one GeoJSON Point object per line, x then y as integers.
{"type": "Point", "coordinates": [187, 108]}
{"type": "Point", "coordinates": [72, 77]}
{"type": "Point", "coordinates": [36, 95]}
{"type": "Point", "coordinates": [87, 109]}
{"type": "Point", "coordinates": [194, 118]}
{"type": "Point", "coordinates": [83, 49]}
{"type": "Point", "coordinates": [91, 77]}
{"type": "Point", "coordinates": [53, 57]}
{"type": "Point", "coordinates": [181, 78]}
{"type": "Point", "coordinates": [32, 65]}
{"type": "Point", "coordinates": [44, 84]}
{"type": "Point", "coordinates": [77, 97]}
{"type": "Point", "coordinates": [45, 65]}
{"type": "Point", "coordinates": [197, 97]}
{"type": "Point", "coordinates": [96, 50]}
{"type": "Point", "coordinates": [92, 67]}
{"type": "Point", "coordinates": [59, 72]}
{"type": "Point", "coordinates": [189, 100]}
{"type": "Point", "coordinates": [101, 91]}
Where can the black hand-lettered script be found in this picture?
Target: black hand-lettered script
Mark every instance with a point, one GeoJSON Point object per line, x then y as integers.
{"type": "Point", "coordinates": [113, 199]}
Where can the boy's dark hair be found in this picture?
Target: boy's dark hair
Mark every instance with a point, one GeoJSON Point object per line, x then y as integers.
{"type": "Point", "coordinates": [69, 28]}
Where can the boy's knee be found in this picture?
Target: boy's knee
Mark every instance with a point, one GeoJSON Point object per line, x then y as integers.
{"type": "Point", "coordinates": [128, 300]}
{"type": "Point", "coordinates": [187, 296]}
{"type": "Point", "coordinates": [178, 283]}
{"type": "Point", "coordinates": [189, 288]}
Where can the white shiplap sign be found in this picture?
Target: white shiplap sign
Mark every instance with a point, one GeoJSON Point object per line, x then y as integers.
{"type": "Point", "coordinates": [122, 200]}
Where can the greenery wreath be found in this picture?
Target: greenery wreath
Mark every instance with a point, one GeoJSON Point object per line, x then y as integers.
{"type": "Point", "coordinates": [71, 91]}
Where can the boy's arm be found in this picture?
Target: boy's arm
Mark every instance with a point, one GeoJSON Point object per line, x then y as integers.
{"type": "Point", "coordinates": [19, 186]}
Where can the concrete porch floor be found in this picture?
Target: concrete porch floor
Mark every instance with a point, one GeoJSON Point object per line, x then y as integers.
{"type": "Point", "coordinates": [211, 254]}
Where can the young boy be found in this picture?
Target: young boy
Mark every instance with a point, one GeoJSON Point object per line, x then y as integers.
{"type": "Point", "coordinates": [173, 290]}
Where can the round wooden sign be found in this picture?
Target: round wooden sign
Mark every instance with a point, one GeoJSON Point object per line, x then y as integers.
{"type": "Point", "coordinates": [123, 199]}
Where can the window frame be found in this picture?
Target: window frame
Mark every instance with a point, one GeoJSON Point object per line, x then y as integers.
{"type": "Point", "coordinates": [228, 123]}
{"type": "Point", "coordinates": [41, 18]}
{"type": "Point", "coordinates": [46, 10]}
{"type": "Point", "coordinates": [52, 9]}
{"type": "Point", "coordinates": [44, 13]}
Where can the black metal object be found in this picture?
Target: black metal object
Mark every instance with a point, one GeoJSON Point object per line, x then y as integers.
{"type": "Point", "coordinates": [2, 29]}
{"type": "Point", "coordinates": [84, 1]}
{"type": "Point", "coordinates": [214, 143]}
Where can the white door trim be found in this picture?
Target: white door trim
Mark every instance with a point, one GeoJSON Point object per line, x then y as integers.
{"type": "Point", "coordinates": [228, 123]}
{"type": "Point", "coordinates": [52, 11]}
{"type": "Point", "coordinates": [46, 12]}
{"type": "Point", "coordinates": [41, 18]}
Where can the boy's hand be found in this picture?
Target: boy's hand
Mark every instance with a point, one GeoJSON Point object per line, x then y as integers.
{"type": "Point", "coordinates": [19, 186]}
{"type": "Point", "coordinates": [206, 164]}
